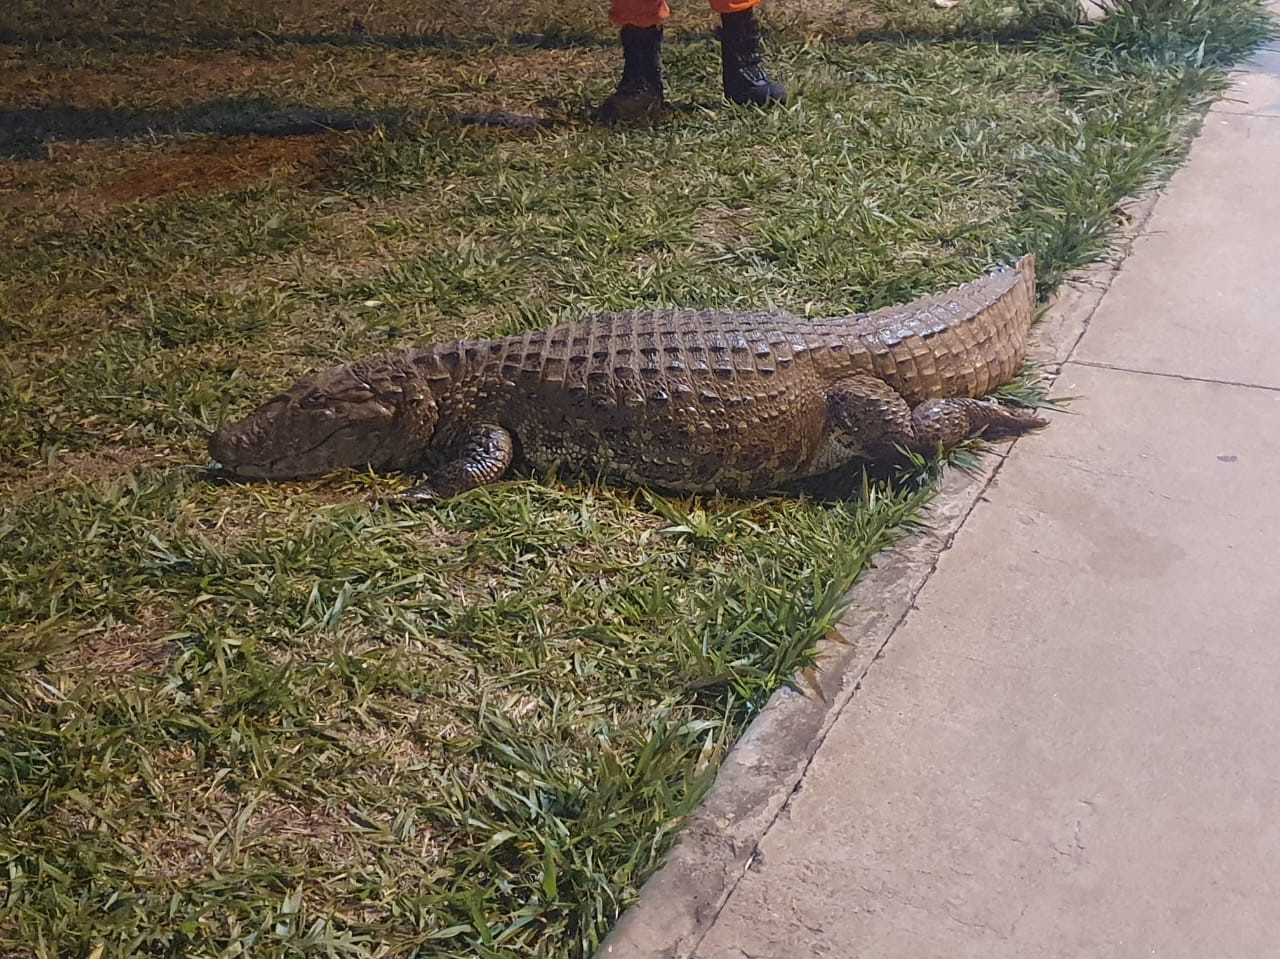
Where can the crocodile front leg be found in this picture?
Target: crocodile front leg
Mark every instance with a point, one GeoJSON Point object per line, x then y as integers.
{"type": "Point", "coordinates": [866, 416]}
{"type": "Point", "coordinates": [480, 456]}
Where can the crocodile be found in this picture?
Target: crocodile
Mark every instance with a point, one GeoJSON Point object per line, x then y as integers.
{"type": "Point", "coordinates": [742, 402]}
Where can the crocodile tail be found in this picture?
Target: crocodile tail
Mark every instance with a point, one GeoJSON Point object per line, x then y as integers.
{"type": "Point", "coordinates": [964, 342]}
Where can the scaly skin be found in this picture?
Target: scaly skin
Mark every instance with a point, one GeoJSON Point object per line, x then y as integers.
{"type": "Point", "coordinates": [741, 402]}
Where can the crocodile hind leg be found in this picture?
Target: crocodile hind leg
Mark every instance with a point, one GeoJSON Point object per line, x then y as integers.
{"type": "Point", "coordinates": [866, 416]}
{"type": "Point", "coordinates": [944, 423]}
{"type": "Point", "coordinates": [481, 456]}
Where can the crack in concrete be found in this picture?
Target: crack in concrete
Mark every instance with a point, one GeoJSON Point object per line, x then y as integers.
{"type": "Point", "coordinates": [978, 924]}
{"type": "Point", "coordinates": [1184, 377]}
{"type": "Point", "coordinates": [1245, 113]}
{"type": "Point", "coordinates": [1013, 926]}
{"type": "Point", "coordinates": [1076, 851]}
{"type": "Point", "coordinates": [1091, 809]}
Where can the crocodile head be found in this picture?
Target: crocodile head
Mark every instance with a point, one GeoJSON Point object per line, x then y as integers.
{"type": "Point", "coordinates": [349, 417]}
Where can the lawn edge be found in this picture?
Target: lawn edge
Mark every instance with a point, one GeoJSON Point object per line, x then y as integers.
{"type": "Point", "coordinates": [680, 902]}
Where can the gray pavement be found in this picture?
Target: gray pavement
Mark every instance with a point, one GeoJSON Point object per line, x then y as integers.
{"type": "Point", "coordinates": [1071, 745]}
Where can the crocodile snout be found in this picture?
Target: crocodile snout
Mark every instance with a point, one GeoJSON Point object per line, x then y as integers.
{"type": "Point", "coordinates": [228, 449]}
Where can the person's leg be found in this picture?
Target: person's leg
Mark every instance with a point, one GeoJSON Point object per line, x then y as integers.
{"type": "Point", "coordinates": [639, 93]}
{"type": "Point", "coordinates": [744, 78]}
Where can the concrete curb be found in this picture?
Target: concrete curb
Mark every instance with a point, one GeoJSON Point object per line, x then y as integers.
{"type": "Point", "coordinates": [680, 902]}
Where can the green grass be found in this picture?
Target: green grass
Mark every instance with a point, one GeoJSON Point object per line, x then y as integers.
{"type": "Point", "coordinates": [304, 720]}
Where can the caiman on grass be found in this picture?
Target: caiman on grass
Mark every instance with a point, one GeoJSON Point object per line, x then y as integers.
{"type": "Point", "coordinates": [695, 400]}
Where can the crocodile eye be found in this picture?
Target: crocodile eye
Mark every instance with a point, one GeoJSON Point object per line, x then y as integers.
{"type": "Point", "coordinates": [316, 401]}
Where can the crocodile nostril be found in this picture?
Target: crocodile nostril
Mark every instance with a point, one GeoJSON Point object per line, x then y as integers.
{"type": "Point", "coordinates": [220, 447]}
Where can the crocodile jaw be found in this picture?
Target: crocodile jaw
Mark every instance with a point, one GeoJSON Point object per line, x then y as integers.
{"type": "Point", "coordinates": [326, 422]}
{"type": "Point", "coordinates": [256, 449]}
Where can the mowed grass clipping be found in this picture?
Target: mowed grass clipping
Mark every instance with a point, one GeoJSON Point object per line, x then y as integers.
{"type": "Point", "coordinates": [304, 720]}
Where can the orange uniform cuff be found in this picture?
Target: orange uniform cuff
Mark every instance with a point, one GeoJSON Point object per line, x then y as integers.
{"type": "Point", "coordinates": [651, 13]}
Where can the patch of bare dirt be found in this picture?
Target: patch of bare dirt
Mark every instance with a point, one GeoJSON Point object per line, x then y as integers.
{"type": "Point", "coordinates": [137, 646]}
{"type": "Point", "coordinates": [142, 82]}
{"type": "Point", "coordinates": [526, 66]}
{"type": "Point", "coordinates": [722, 224]}
{"type": "Point", "coordinates": [85, 467]}
{"type": "Point", "coordinates": [29, 176]}
{"type": "Point", "coordinates": [826, 17]}
{"type": "Point", "coordinates": [1049, 96]}
{"type": "Point", "coordinates": [400, 741]}
{"type": "Point", "coordinates": [297, 824]}
{"type": "Point", "coordinates": [344, 245]}
{"type": "Point", "coordinates": [214, 165]}
{"type": "Point", "coordinates": [101, 172]}
{"type": "Point", "coordinates": [184, 168]}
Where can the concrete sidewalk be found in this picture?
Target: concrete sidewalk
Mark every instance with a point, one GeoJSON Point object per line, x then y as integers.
{"type": "Point", "coordinates": [1071, 746]}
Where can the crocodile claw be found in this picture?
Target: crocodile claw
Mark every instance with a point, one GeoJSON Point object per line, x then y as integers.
{"type": "Point", "coordinates": [423, 493]}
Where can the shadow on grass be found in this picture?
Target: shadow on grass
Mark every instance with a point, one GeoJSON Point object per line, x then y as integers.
{"type": "Point", "coordinates": [24, 133]}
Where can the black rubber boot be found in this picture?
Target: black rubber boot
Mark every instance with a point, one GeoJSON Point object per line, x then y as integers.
{"type": "Point", "coordinates": [638, 98]}
{"type": "Point", "coordinates": [744, 78]}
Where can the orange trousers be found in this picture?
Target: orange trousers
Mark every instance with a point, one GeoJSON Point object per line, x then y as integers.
{"type": "Point", "coordinates": [651, 13]}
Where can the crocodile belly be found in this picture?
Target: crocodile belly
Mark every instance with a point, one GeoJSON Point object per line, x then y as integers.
{"type": "Point", "coordinates": [733, 447]}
